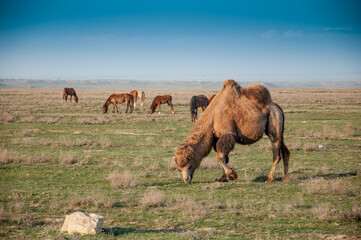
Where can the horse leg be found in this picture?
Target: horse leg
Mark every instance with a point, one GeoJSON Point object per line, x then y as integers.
{"type": "Point", "coordinates": [70, 97]}
{"type": "Point", "coordinates": [224, 146]}
{"type": "Point", "coordinates": [171, 107]}
{"type": "Point", "coordinates": [196, 114]}
{"type": "Point", "coordinates": [126, 111]}
{"type": "Point", "coordinates": [159, 108]}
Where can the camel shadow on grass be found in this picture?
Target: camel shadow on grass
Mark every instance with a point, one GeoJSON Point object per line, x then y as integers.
{"type": "Point", "coordinates": [263, 178]}
{"type": "Point", "coordinates": [117, 231]}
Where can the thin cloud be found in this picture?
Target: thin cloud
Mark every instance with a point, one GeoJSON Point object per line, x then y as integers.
{"type": "Point", "coordinates": [270, 33]}
{"type": "Point", "coordinates": [292, 34]}
{"type": "Point", "coordinates": [338, 28]}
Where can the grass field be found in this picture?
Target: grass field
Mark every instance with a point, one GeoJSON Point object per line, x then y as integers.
{"type": "Point", "coordinates": [58, 158]}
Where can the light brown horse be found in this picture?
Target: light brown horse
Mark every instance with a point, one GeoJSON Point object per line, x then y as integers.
{"type": "Point", "coordinates": [196, 102]}
{"type": "Point", "coordinates": [134, 93]}
{"type": "Point", "coordinates": [119, 98]}
{"type": "Point", "coordinates": [158, 100]}
{"type": "Point", "coordinates": [211, 98]}
{"type": "Point", "coordinates": [141, 96]}
{"type": "Point", "coordinates": [69, 92]}
{"type": "Point", "coordinates": [236, 115]}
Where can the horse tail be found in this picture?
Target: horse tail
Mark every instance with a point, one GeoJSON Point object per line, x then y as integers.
{"type": "Point", "coordinates": [131, 98]}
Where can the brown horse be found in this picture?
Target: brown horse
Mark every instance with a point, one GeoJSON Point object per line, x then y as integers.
{"type": "Point", "coordinates": [236, 115]}
{"type": "Point", "coordinates": [69, 92]}
{"type": "Point", "coordinates": [141, 96]}
{"type": "Point", "coordinates": [119, 98]}
{"type": "Point", "coordinates": [211, 98]}
{"type": "Point", "coordinates": [196, 102]}
{"type": "Point", "coordinates": [158, 100]}
{"type": "Point", "coordinates": [134, 93]}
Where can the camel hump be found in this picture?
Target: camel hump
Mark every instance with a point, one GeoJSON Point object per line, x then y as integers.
{"type": "Point", "coordinates": [258, 93]}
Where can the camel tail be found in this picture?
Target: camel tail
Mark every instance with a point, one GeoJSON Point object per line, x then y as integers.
{"type": "Point", "coordinates": [284, 150]}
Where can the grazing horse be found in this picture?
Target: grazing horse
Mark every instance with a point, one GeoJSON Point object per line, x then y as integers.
{"type": "Point", "coordinates": [141, 96]}
{"type": "Point", "coordinates": [134, 93]}
{"type": "Point", "coordinates": [211, 98]}
{"type": "Point", "coordinates": [196, 102]}
{"type": "Point", "coordinates": [71, 92]}
{"type": "Point", "coordinates": [119, 98]}
{"type": "Point", "coordinates": [236, 115]}
{"type": "Point", "coordinates": [158, 100]}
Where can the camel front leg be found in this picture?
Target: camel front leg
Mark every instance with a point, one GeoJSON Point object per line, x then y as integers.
{"type": "Point", "coordinates": [224, 146]}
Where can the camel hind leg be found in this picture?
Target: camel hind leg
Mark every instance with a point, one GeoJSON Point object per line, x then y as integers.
{"type": "Point", "coordinates": [275, 129]}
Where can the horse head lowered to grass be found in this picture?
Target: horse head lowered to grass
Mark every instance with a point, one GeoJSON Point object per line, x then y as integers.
{"type": "Point", "coordinates": [236, 115]}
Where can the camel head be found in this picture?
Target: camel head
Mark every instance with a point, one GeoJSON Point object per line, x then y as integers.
{"type": "Point", "coordinates": [185, 164]}
{"type": "Point", "coordinates": [105, 108]}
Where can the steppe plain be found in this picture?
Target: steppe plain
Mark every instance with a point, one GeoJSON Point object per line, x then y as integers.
{"type": "Point", "coordinates": [58, 158]}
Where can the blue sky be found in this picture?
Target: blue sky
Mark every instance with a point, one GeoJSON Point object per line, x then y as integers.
{"type": "Point", "coordinates": [181, 40]}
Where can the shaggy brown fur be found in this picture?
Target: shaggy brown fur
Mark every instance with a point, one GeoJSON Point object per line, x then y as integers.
{"type": "Point", "coordinates": [119, 98]}
{"type": "Point", "coordinates": [158, 100]}
{"type": "Point", "coordinates": [236, 115]}
{"type": "Point", "coordinates": [196, 102]}
{"type": "Point", "coordinates": [69, 92]}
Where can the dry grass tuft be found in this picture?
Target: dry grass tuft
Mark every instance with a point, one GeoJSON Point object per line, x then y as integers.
{"type": "Point", "coordinates": [123, 180]}
{"type": "Point", "coordinates": [153, 198]}
{"type": "Point", "coordinates": [190, 207]}
{"type": "Point", "coordinates": [105, 142]}
{"type": "Point", "coordinates": [309, 147]}
{"type": "Point", "coordinates": [322, 212]}
{"type": "Point", "coordinates": [349, 131]}
{"type": "Point", "coordinates": [8, 156]}
{"type": "Point", "coordinates": [6, 117]}
{"type": "Point", "coordinates": [323, 186]}
{"type": "Point", "coordinates": [352, 216]}
{"type": "Point", "coordinates": [28, 119]}
{"type": "Point", "coordinates": [67, 158]}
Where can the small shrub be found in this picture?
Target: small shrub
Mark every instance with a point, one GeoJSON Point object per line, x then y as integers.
{"type": "Point", "coordinates": [323, 186]}
{"type": "Point", "coordinates": [322, 211]}
{"type": "Point", "coordinates": [190, 207]}
{"type": "Point", "coordinates": [8, 156]}
{"type": "Point", "coordinates": [153, 198]}
{"type": "Point", "coordinates": [6, 117]}
{"type": "Point", "coordinates": [67, 158]}
{"type": "Point", "coordinates": [349, 131]}
{"type": "Point", "coordinates": [125, 179]}
{"type": "Point", "coordinates": [352, 216]}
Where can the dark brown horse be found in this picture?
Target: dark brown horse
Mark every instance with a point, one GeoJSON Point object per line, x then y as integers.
{"type": "Point", "coordinates": [119, 98]}
{"type": "Point", "coordinates": [71, 92]}
{"type": "Point", "coordinates": [158, 100]}
{"type": "Point", "coordinates": [196, 102]}
{"type": "Point", "coordinates": [211, 98]}
{"type": "Point", "coordinates": [134, 93]}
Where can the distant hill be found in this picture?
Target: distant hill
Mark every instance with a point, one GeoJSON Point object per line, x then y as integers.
{"type": "Point", "coordinates": [138, 84]}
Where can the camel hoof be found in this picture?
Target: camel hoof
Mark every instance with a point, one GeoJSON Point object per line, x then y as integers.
{"type": "Point", "coordinates": [233, 175]}
{"type": "Point", "coordinates": [269, 180]}
{"type": "Point", "coordinates": [285, 179]}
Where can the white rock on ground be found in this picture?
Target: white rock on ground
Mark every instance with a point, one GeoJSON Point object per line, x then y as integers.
{"type": "Point", "coordinates": [82, 223]}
